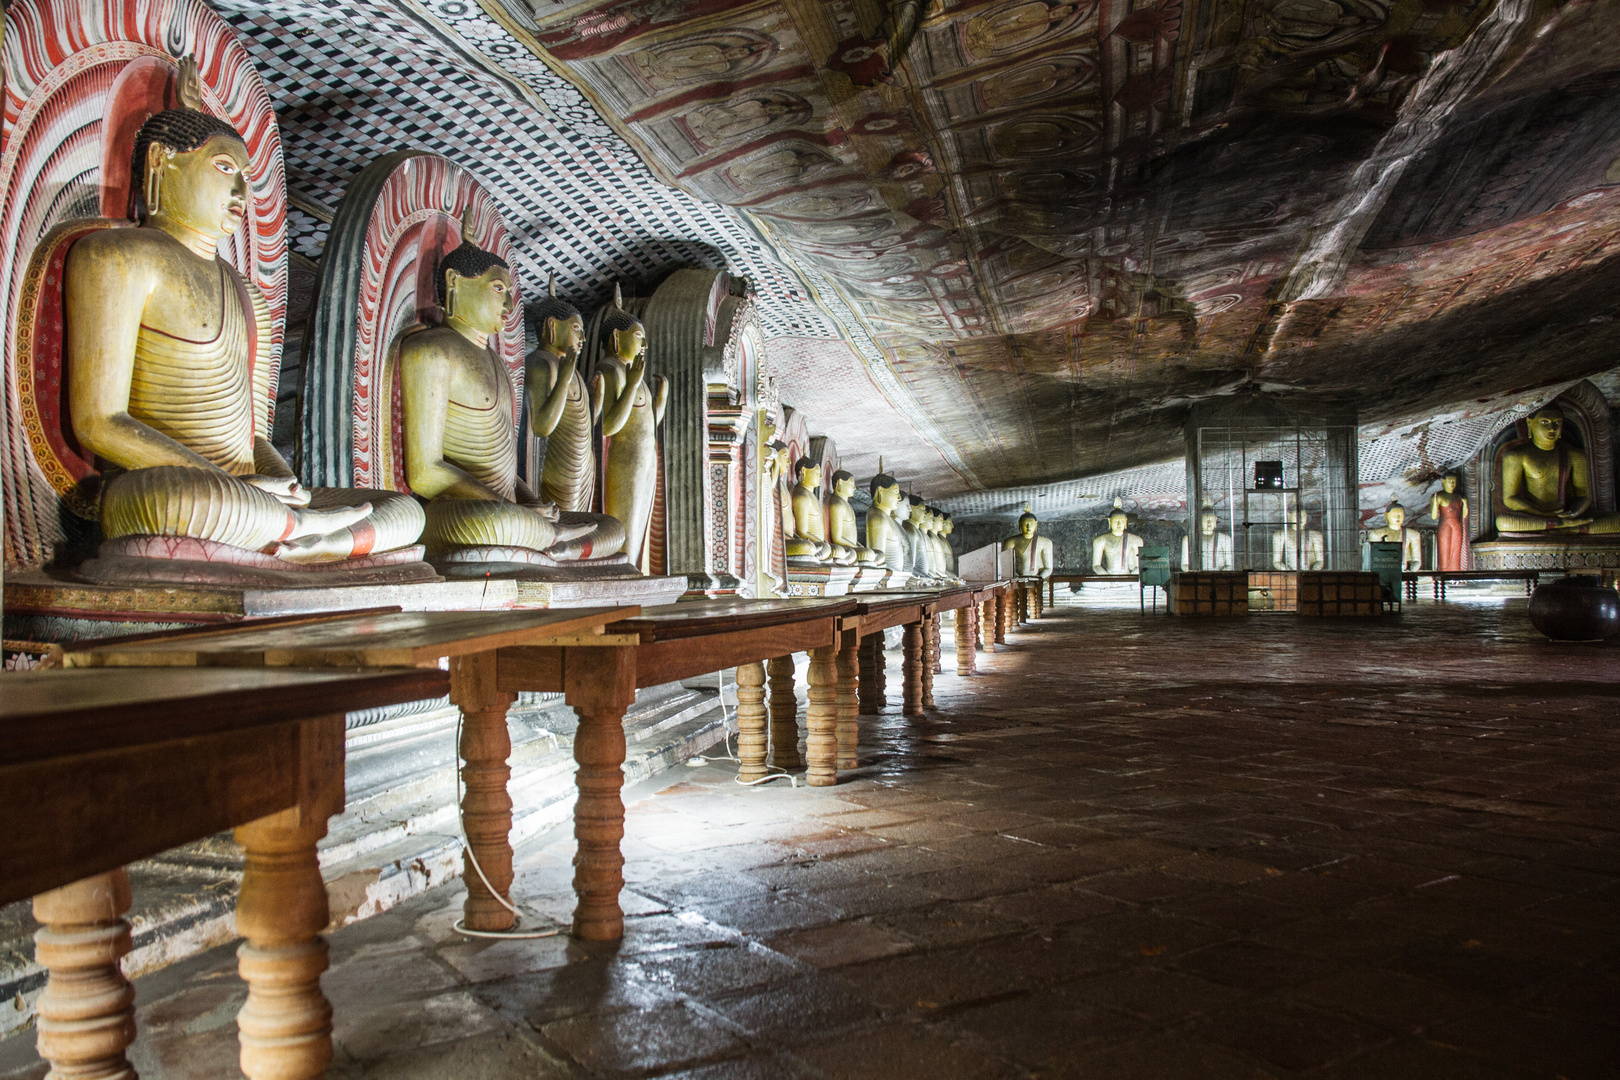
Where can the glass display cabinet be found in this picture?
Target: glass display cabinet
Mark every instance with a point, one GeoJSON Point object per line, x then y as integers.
{"type": "Point", "coordinates": [1281, 482]}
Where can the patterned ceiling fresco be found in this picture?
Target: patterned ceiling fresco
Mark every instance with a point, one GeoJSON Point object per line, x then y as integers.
{"type": "Point", "coordinates": [1006, 243]}
{"type": "Point", "coordinates": [1063, 220]}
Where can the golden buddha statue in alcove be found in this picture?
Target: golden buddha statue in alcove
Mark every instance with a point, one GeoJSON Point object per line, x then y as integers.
{"type": "Point", "coordinates": [169, 366]}
{"type": "Point", "coordinates": [460, 440]}
{"type": "Point", "coordinates": [809, 540]}
{"type": "Point", "coordinates": [1547, 484]}
{"type": "Point", "coordinates": [842, 531]}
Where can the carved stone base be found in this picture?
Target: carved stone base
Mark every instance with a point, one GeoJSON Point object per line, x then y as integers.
{"type": "Point", "coordinates": [181, 560]}
{"type": "Point", "coordinates": [478, 562]}
{"type": "Point", "coordinates": [818, 579]}
{"type": "Point", "coordinates": [1548, 552]}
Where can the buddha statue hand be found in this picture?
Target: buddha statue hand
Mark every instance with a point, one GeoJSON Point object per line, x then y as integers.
{"type": "Point", "coordinates": [285, 488]}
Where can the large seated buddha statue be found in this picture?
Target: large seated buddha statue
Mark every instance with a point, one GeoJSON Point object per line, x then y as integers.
{"type": "Point", "coordinates": [884, 533]}
{"type": "Point", "coordinates": [168, 366]}
{"type": "Point", "coordinates": [809, 540]}
{"type": "Point", "coordinates": [842, 530]}
{"type": "Point", "coordinates": [1546, 485]}
{"type": "Point", "coordinates": [460, 440]}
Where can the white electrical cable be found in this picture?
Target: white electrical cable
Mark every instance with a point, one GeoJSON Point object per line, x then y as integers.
{"type": "Point", "coordinates": [517, 932]}
{"type": "Point", "coordinates": [779, 774]}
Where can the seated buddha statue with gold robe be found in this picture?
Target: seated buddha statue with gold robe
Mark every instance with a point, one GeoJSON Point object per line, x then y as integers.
{"type": "Point", "coordinates": [460, 440]}
{"type": "Point", "coordinates": [884, 533]}
{"type": "Point", "coordinates": [809, 540]}
{"type": "Point", "coordinates": [842, 532]}
{"type": "Point", "coordinates": [168, 366]}
{"type": "Point", "coordinates": [1547, 484]}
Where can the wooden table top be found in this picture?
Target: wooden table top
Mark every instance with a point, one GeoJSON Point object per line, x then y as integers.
{"type": "Point", "coordinates": [393, 639]}
{"type": "Point", "coordinates": [56, 713]}
{"type": "Point", "coordinates": [694, 618]}
{"type": "Point", "coordinates": [872, 602]}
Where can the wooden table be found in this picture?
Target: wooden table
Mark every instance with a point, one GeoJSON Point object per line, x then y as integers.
{"type": "Point", "coordinates": [1443, 577]}
{"type": "Point", "coordinates": [104, 767]}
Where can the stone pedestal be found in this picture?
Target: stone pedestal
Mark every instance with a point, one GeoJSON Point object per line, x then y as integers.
{"type": "Point", "coordinates": [806, 578]}
{"type": "Point", "coordinates": [1548, 552]}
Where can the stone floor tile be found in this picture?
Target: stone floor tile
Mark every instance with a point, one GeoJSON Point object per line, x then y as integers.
{"type": "Point", "coordinates": [495, 1055]}
{"type": "Point", "coordinates": [1253, 967]}
{"type": "Point", "coordinates": [904, 1050]}
{"type": "Point", "coordinates": [1399, 1003]}
{"type": "Point", "coordinates": [846, 943]}
{"type": "Point", "coordinates": [406, 1026]}
{"type": "Point", "coordinates": [1290, 1038]}
{"type": "Point", "coordinates": [1043, 1031]}
{"type": "Point", "coordinates": [1575, 1048]}
{"type": "Point", "coordinates": [1155, 994]}
{"type": "Point", "coordinates": [641, 1042]}
{"type": "Point", "coordinates": [1169, 1056]}
{"type": "Point", "coordinates": [809, 1009]}
{"type": "Point", "coordinates": [1415, 1058]}
{"type": "Point", "coordinates": [752, 1067]}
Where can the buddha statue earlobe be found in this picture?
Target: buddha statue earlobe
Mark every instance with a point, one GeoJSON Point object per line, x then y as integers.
{"type": "Point", "coordinates": [153, 186]}
{"type": "Point", "coordinates": [450, 279]}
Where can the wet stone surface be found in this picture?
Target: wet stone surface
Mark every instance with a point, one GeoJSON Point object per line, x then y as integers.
{"type": "Point", "coordinates": [1131, 847]}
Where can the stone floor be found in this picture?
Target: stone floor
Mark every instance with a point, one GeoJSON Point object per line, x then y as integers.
{"type": "Point", "coordinates": [1132, 847]}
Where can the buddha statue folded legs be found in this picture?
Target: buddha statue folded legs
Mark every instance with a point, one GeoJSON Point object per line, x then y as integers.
{"type": "Point", "coordinates": [168, 367]}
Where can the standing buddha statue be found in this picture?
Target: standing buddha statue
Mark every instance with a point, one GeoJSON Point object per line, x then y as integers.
{"type": "Point", "coordinates": [632, 408]}
{"type": "Point", "coordinates": [168, 366]}
{"type": "Point", "coordinates": [563, 409]}
{"type": "Point", "coordinates": [1450, 511]}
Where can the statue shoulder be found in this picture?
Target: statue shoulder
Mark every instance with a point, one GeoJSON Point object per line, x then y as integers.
{"type": "Point", "coordinates": [126, 251]}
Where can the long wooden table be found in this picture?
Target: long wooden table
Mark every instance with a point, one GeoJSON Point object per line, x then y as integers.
{"type": "Point", "coordinates": [103, 767]}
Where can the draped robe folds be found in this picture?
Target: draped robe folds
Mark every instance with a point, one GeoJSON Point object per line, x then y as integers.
{"type": "Point", "coordinates": [202, 394]}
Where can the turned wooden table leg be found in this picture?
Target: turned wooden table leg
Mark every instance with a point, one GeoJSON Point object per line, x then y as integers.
{"type": "Point", "coordinates": [486, 807]}
{"type": "Point", "coordinates": [751, 736]}
{"type": "Point", "coordinates": [821, 741]}
{"type": "Point", "coordinates": [987, 625]}
{"type": "Point", "coordinates": [930, 659]}
{"type": "Point", "coordinates": [1039, 598]}
{"type": "Point", "coordinates": [87, 1010]}
{"type": "Point", "coordinates": [1003, 615]}
{"type": "Point", "coordinates": [600, 684]}
{"type": "Point", "coordinates": [286, 1023]}
{"type": "Point", "coordinates": [964, 640]}
{"type": "Point", "coordinates": [936, 646]}
{"type": "Point", "coordinates": [873, 659]}
{"type": "Point", "coordinates": [784, 714]}
{"type": "Point", "coordinates": [848, 704]}
{"type": "Point", "coordinates": [912, 670]}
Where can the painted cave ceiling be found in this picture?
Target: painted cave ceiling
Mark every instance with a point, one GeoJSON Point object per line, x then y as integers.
{"type": "Point", "coordinates": [1008, 242]}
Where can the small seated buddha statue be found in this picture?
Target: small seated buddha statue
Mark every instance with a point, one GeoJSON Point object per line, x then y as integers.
{"type": "Point", "coordinates": [1546, 484]}
{"type": "Point", "coordinates": [1117, 551]}
{"type": "Point", "coordinates": [809, 540]}
{"type": "Point", "coordinates": [842, 532]}
{"type": "Point", "coordinates": [918, 559]}
{"type": "Point", "coordinates": [1032, 553]}
{"type": "Point", "coordinates": [168, 366]}
{"type": "Point", "coordinates": [1395, 531]}
{"type": "Point", "coordinates": [563, 409]}
{"type": "Point", "coordinates": [884, 534]}
{"type": "Point", "coordinates": [1214, 546]}
{"type": "Point", "coordinates": [632, 408]}
{"type": "Point", "coordinates": [460, 442]}
{"type": "Point", "coordinates": [1297, 539]}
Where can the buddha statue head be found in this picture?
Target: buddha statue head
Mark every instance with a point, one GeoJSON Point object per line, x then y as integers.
{"type": "Point", "coordinates": [189, 170]}
{"type": "Point", "coordinates": [886, 494]}
{"type": "Point", "coordinates": [621, 334]}
{"type": "Point", "coordinates": [1027, 524]}
{"type": "Point", "coordinates": [557, 324]}
{"type": "Point", "coordinates": [807, 473]}
{"type": "Point", "coordinates": [1118, 519]}
{"type": "Point", "coordinates": [474, 288]}
{"type": "Point", "coordinates": [1546, 427]}
{"type": "Point", "coordinates": [1208, 520]}
{"type": "Point", "coordinates": [1449, 482]}
{"type": "Point", "coordinates": [843, 484]}
{"type": "Point", "coordinates": [1395, 517]}
{"type": "Point", "coordinates": [915, 511]}
{"type": "Point", "coordinates": [949, 526]}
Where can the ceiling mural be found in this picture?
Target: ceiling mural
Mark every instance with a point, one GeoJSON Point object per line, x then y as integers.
{"type": "Point", "coordinates": [1062, 221]}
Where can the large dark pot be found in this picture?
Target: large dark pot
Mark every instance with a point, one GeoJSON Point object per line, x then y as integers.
{"type": "Point", "coordinates": [1578, 607]}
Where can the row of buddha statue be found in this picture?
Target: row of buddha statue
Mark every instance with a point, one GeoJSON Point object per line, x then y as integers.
{"type": "Point", "coordinates": [905, 538]}
{"type": "Point", "coordinates": [168, 367]}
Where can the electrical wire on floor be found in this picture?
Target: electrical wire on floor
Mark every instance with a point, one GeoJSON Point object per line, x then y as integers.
{"type": "Point", "coordinates": [517, 932]}
{"type": "Point", "coordinates": [698, 760]}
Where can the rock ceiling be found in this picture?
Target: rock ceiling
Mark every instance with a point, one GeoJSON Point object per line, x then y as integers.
{"type": "Point", "coordinates": [1050, 225]}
